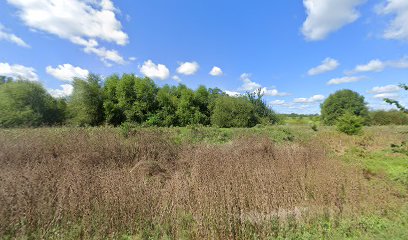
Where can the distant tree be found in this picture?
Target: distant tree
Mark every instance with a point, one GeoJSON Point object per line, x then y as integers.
{"type": "Point", "coordinates": [4, 79]}
{"type": "Point", "coordinates": [86, 103]}
{"type": "Point", "coordinates": [167, 106]}
{"type": "Point", "coordinates": [233, 112]}
{"type": "Point", "coordinates": [396, 103]}
{"type": "Point", "coordinates": [27, 104]}
{"type": "Point", "coordinates": [341, 102]}
{"type": "Point", "coordinates": [393, 117]}
{"type": "Point", "coordinates": [113, 112]}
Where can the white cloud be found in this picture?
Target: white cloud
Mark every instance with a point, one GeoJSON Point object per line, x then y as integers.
{"type": "Point", "coordinates": [65, 91]}
{"type": "Point", "coordinates": [313, 99]}
{"type": "Point", "coordinates": [386, 95]}
{"type": "Point", "coordinates": [373, 66]}
{"type": "Point", "coordinates": [327, 16]}
{"type": "Point", "coordinates": [377, 65]}
{"type": "Point", "coordinates": [67, 72]}
{"type": "Point", "coordinates": [385, 89]}
{"type": "Point", "coordinates": [18, 71]}
{"type": "Point", "coordinates": [398, 27]}
{"type": "Point", "coordinates": [232, 93]}
{"type": "Point", "coordinates": [154, 71]}
{"type": "Point", "coordinates": [342, 80]}
{"type": "Point", "coordinates": [188, 68]}
{"type": "Point", "coordinates": [4, 35]}
{"type": "Point", "coordinates": [277, 103]}
{"type": "Point", "coordinates": [81, 22]}
{"type": "Point", "coordinates": [328, 64]}
{"type": "Point", "coordinates": [272, 92]}
{"type": "Point", "coordinates": [248, 85]}
{"type": "Point", "coordinates": [176, 78]}
{"type": "Point", "coordinates": [216, 71]}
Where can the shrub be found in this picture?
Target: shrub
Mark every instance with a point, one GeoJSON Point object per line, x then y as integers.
{"type": "Point", "coordinates": [393, 117]}
{"type": "Point", "coordinates": [233, 112]}
{"type": "Point", "coordinates": [350, 124]}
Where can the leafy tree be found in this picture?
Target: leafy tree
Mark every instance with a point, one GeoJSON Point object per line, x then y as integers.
{"type": "Point", "coordinates": [233, 112]}
{"type": "Point", "coordinates": [263, 112]}
{"type": "Point", "coordinates": [4, 79]}
{"type": "Point", "coordinates": [396, 103]}
{"type": "Point", "coordinates": [350, 124]}
{"type": "Point", "coordinates": [113, 113]}
{"type": "Point", "coordinates": [27, 104]}
{"type": "Point", "coordinates": [167, 106]}
{"type": "Point", "coordinates": [86, 103]}
{"type": "Point", "coordinates": [341, 102]}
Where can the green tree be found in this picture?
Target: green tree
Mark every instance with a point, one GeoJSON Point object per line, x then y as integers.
{"type": "Point", "coordinates": [341, 102]}
{"type": "Point", "coordinates": [233, 112]}
{"type": "Point", "coordinates": [350, 124]}
{"type": "Point", "coordinates": [27, 104]}
{"type": "Point", "coordinates": [167, 106]}
{"type": "Point", "coordinates": [392, 117]}
{"type": "Point", "coordinates": [113, 112]}
{"type": "Point", "coordinates": [263, 112]}
{"type": "Point", "coordinates": [396, 103]}
{"type": "Point", "coordinates": [86, 103]}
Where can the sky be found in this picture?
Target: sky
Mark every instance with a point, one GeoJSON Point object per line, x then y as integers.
{"type": "Point", "coordinates": [298, 52]}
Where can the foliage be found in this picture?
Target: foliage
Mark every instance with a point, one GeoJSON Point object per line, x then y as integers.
{"type": "Point", "coordinates": [233, 112]}
{"type": "Point", "coordinates": [341, 102]}
{"type": "Point", "coordinates": [396, 103]}
{"type": "Point", "coordinates": [350, 124]}
{"type": "Point", "coordinates": [27, 104]}
{"type": "Point", "coordinates": [86, 103]}
{"type": "Point", "coordinates": [262, 111]}
{"type": "Point", "coordinates": [392, 117]}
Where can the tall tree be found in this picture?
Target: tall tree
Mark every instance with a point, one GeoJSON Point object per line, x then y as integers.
{"type": "Point", "coordinates": [86, 103]}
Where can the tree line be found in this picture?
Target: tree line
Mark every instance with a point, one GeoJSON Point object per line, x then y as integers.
{"type": "Point", "coordinates": [128, 99]}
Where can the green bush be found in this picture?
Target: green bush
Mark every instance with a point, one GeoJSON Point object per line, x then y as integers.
{"type": "Point", "coordinates": [233, 112]}
{"type": "Point", "coordinates": [380, 118]}
{"type": "Point", "coordinates": [350, 124]}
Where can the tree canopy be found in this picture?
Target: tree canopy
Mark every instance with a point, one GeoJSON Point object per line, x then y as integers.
{"type": "Point", "coordinates": [342, 102]}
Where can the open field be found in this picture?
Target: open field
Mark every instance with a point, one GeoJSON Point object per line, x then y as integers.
{"type": "Point", "coordinates": [281, 182]}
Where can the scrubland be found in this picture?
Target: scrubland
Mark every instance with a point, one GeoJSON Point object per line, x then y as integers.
{"type": "Point", "coordinates": [280, 182]}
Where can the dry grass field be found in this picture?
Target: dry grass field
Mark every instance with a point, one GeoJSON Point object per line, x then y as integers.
{"type": "Point", "coordinates": [203, 183]}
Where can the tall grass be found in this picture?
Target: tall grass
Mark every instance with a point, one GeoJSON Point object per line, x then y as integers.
{"type": "Point", "coordinates": [95, 183]}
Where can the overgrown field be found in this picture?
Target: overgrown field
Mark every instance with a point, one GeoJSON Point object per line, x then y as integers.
{"type": "Point", "coordinates": [203, 183]}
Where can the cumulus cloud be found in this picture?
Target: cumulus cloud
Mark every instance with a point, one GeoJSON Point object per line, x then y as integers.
{"type": "Point", "coordinates": [64, 91]}
{"type": "Point", "coordinates": [385, 89]}
{"type": "Point", "coordinates": [232, 93]}
{"type": "Point", "coordinates": [67, 72]}
{"type": "Point", "coordinates": [277, 103]}
{"type": "Point", "coordinates": [398, 27]}
{"type": "Point", "coordinates": [81, 22]}
{"type": "Point", "coordinates": [328, 64]}
{"type": "Point", "coordinates": [386, 95]}
{"type": "Point", "coordinates": [327, 16]}
{"type": "Point", "coordinates": [336, 81]}
{"type": "Point", "coordinates": [272, 92]}
{"type": "Point", "coordinates": [18, 71]}
{"type": "Point", "coordinates": [188, 68]}
{"type": "Point", "coordinates": [7, 36]}
{"type": "Point", "coordinates": [216, 71]}
{"type": "Point", "coordinates": [154, 71]}
{"type": "Point", "coordinates": [313, 99]}
{"type": "Point", "coordinates": [248, 84]}
{"type": "Point", "coordinates": [176, 78]}
{"type": "Point", "coordinates": [377, 65]}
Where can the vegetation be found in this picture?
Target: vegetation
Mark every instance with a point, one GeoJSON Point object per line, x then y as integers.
{"type": "Point", "coordinates": [27, 104]}
{"type": "Point", "coordinates": [342, 102]}
{"type": "Point", "coordinates": [173, 183]}
{"type": "Point", "coordinates": [396, 103]}
{"type": "Point", "coordinates": [350, 124]}
{"type": "Point", "coordinates": [393, 117]}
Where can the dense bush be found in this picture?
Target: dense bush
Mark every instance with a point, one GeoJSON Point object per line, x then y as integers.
{"type": "Point", "coordinates": [393, 117]}
{"type": "Point", "coordinates": [341, 102]}
{"type": "Point", "coordinates": [350, 124]}
{"type": "Point", "coordinates": [27, 104]}
{"type": "Point", "coordinates": [233, 112]}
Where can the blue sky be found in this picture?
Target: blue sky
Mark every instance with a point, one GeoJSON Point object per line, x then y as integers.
{"type": "Point", "coordinates": [298, 52]}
